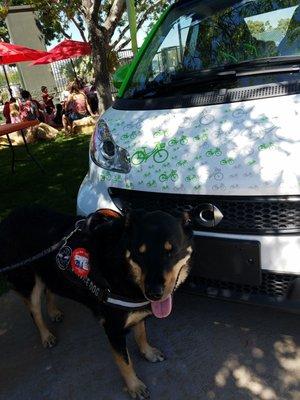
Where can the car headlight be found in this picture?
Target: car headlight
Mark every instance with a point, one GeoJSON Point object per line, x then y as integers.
{"type": "Point", "coordinates": [106, 153]}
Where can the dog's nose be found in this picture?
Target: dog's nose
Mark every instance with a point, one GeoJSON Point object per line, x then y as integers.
{"type": "Point", "coordinates": [154, 292]}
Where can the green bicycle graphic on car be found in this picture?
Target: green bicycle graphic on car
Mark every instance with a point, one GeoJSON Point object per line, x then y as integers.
{"type": "Point", "coordinates": [266, 146]}
{"type": "Point", "coordinates": [227, 161]}
{"type": "Point", "coordinates": [172, 175]}
{"type": "Point", "coordinates": [201, 138]}
{"type": "Point", "coordinates": [159, 154]}
{"type": "Point", "coordinates": [182, 140]}
{"type": "Point", "coordinates": [131, 136]}
{"type": "Point", "coordinates": [214, 152]}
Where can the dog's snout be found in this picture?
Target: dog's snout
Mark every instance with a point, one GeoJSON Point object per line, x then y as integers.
{"type": "Point", "coordinates": [154, 292]}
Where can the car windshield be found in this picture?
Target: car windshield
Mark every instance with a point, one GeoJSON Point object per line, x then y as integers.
{"type": "Point", "coordinates": [197, 36]}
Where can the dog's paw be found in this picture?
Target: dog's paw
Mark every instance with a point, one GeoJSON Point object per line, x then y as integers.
{"type": "Point", "coordinates": [58, 316]}
{"type": "Point", "coordinates": [138, 391]}
{"type": "Point", "coordinates": [49, 341]}
{"type": "Point", "coordinates": [154, 355]}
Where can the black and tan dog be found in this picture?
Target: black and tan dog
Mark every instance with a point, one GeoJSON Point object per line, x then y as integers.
{"type": "Point", "coordinates": [143, 256]}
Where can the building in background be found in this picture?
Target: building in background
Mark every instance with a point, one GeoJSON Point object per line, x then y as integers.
{"type": "Point", "coordinates": [22, 28]}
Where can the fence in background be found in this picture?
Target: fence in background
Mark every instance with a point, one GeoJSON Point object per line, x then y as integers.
{"type": "Point", "coordinates": [60, 77]}
{"type": "Point", "coordinates": [59, 67]}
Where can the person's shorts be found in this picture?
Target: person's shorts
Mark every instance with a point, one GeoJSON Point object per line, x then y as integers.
{"type": "Point", "coordinates": [75, 117]}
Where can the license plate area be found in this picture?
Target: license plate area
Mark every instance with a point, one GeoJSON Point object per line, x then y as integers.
{"type": "Point", "coordinates": [228, 260]}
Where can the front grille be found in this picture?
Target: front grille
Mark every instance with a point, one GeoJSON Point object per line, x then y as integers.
{"type": "Point", "coordinates": [272, 285]}
{"type": "Point", "coordinates": [244, 215]}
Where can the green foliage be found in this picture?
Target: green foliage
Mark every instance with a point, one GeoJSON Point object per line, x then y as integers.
{"type": "Point", "coordinates": [83, 67]}
{"type": "Point", "coordinates": [13, 77]}
{"type": "Point", "coordinates": [256, 27]}
{"type": "Point", "coordinates": [54, 17]}
{"type": "Point", "coordinates": [283, 24]}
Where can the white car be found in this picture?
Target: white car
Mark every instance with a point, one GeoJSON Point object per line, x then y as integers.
{"type": "Point", "coordinates": [207, 120]}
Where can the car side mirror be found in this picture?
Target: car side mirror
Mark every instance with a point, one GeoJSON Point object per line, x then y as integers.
{"type": "Point", "coordinates": [120, 75]}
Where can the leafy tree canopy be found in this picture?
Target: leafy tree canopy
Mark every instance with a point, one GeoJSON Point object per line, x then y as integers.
{"type": "Point", "coordinates": [54, 18]}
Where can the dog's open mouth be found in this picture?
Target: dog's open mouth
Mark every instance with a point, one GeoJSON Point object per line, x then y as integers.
{"type": "Point", "coordinates": [162, 308]}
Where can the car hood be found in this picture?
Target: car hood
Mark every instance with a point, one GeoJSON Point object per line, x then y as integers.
{"type": "Point", "coordinates": [248, 148]}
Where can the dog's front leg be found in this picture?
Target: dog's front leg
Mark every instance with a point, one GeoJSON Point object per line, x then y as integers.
{"type": "Point", "coordinates": [151, 354]}
{"type": "Point", "coordinates": [135, 386]}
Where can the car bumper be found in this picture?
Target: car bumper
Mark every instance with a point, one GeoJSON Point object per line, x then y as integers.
{"type": "Point", "coordinates": [279, 257]}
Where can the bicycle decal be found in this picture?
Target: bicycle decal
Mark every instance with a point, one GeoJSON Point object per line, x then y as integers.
{"type": "Point", "coordinates": [219, 187]}
{"type": "Point", "coordinates": [191, 178]}
{"type": "Point", "coordinates": [130, 136]}
{"type": "Point", "coordinates": [129, 185]}
{"type": "Point", "coordinates": [165, 187]}
{"type": "Point", "coordinates": [227, 161]}
{"type": "Point", "coordinates": [201, 138]}
{"type": "Point", "coordinates": [117, 179]}
{"type": "Point", "coordinates": [151, 184]}
{"type": "Point", "coordinates": [181, 140]}
{"type": "Point", "coordinates": [159, 154]}
{"type": "Point", "coordinates": [217, 174]}
{"type": "Point", "coordinates": [206, 118]}
{"type": "Point", "coordinates": [251, 162]}
{"type": "Point", "coordinates": [182, 163]}
{"type": "Point", "coordinates": [106, 176]}
{"type": "Point", "coordinates": [160, 133]}
{"type": "Point", "coordinates": [172, 175]}
{"type": "Point", "coordinates": [266, 146]}
{"type": "Point", "coordinates": [214, 152]}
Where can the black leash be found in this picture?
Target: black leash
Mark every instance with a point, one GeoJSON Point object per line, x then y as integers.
{"type": "Point", "coordinates": [103, 295]}
{"type": "Point", "coordinates": [43, 253]}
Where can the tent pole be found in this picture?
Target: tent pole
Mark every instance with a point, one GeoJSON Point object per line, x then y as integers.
{"type": "Point", "coordinates": [7, 81]}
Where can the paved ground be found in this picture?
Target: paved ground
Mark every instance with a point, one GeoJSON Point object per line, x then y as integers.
{"type": "Point", "coordinates": [215, 350]}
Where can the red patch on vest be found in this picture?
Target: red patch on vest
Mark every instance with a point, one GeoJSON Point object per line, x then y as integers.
{"type": "Point", "coordinates": [80, 262]}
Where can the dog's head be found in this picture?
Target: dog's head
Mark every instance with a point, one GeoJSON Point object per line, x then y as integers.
{"type": "Point", "coordinates": [159, 247]}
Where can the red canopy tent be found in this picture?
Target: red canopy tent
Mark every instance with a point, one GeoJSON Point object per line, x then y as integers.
{"type": "Point", "coordinates": [65, 50]}
{"type": "Point", "coordinates": [13, 53]}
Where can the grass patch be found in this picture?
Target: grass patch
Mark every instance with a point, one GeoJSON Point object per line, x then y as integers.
{"type": "Point", "coordinates": [65, 161]}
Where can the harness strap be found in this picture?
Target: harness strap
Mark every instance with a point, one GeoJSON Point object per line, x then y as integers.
{"type": "Point", "coordinates": [103, 295]}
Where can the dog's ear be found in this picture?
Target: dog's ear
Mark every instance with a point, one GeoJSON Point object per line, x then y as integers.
{"type": "Point", "coordinates": [103, 220]}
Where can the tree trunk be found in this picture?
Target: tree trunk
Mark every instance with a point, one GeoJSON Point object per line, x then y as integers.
{"type": "Point", "coordinates": [100, 51]}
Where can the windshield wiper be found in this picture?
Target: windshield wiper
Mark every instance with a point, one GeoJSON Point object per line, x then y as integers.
{"type": "Point", "coordinates": [226, 73]}
{"type": "Point", "coordinates": [154, 88]}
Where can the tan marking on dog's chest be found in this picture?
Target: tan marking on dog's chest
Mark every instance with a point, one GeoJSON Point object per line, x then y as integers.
{"type": "Point", "coordinates": [136, 317]}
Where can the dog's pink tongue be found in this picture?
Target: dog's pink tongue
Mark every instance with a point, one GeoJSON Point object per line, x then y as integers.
{"type": "Point", "coordinates": [163, 308]}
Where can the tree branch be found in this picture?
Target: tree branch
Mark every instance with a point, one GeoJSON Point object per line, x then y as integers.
{"type": "Point", "coordinates": [63, 32]}
{"type": "Point", "coordinates": [121, 35]}
{"type": "Point", "coordinates": [114, 16]}
{"type": "Point", "coordinates": [81, 31]}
